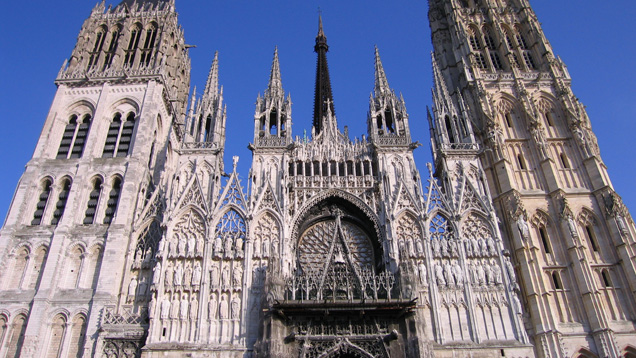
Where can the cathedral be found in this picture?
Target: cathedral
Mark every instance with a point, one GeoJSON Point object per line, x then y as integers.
{"type": "Point", "coordinates": [128, 237]}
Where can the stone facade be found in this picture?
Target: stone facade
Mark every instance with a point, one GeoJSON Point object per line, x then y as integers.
{"type": "Point", "coordinates": [128, 238]}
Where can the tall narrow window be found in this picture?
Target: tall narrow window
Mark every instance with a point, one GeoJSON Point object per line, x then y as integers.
{"type": "Point", "coordinates": [67, 137]}
{"type": "Point", "coordinates": [36, 270]}
{"type": "Point", "coordinates": [129, 60]}
{"type": "Point", "coordinates": [61, 202]}
{"type": "Point", "coordinates": [3, 328]}
{"type": "Point", "coordinates": [607, 282]}
{"type": "Point", "coordinates": [527, 57]}
{"type": "Point", "coordinates": [521, 161]}
{"type": "Point", "coordinates": [14, 344]}
{"type": "Point", "coordinates": [112, 48]}
{"type": "Point", "coordinates": [149, 44]}
{"type": "Point", "coordinates": [113, 200]}
{"type": "Point", "coordinates": [208, 127]}
{"type": "Point", "coordinates": [123, 148]}
{"type": "Point", "coordinates": [80, 137]}
{"type": "Point", "coordinates": [544, 240]}
{"type": "Point", "coordinates": [556, 280]}
{"type": "Point", "coordinates": [590, 235]}
{"type": "Point", "coordinates": [97, 48]}
{"type": "Point", "coordinates": [449, 130]}
{"type": "Point", "coordinates": [78, 337]}
{"type": "Point", "coordinates": [549, 119]}
{"type": "Point", "coordinates": [496, 62]}
{"type": "Point", "coordinates": [74, 267]}
{"type": "Point", "coordinates": [93, 200]}
{"type": "Point", "coordinates": [58, 327]}
{"type": "Point", "coordinates": [564, 161]}
{"type": "Point", "coordinates": [112, 136]}
{"type": "Point", "coordinates": [521, 41]}
{"type": "Point", "coordinates": [42, 200]}
{"type": "Point", "coordinates": [508, 118]}
{"type": "Point", "coordinates": [481, 60]}
{"type": "Point", "coordinates": [19, 266]}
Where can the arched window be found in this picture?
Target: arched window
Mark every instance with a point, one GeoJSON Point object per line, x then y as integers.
{"type": "Point", "coordinates": [67, 137]}
{"type": "Point", "coordinates": [78, 337]}
{"type": "Point", "coordinates": [508, 118]}
{"type": "Point", "coordinates": [80, 137]}
{"type": "Point", "coordinates": [589, 231]}
{"type": "Point", "coordinates": [521, 162]}
{"type": "Point", "coordinates": [19, 266]}
{"type": "Point", "coordinates": [74, 267]}
{"type": "Point", "coordinates": [42, 200]}
{"type": "Point", "coordinates": [149, 44]}
{"type": "Point", "coordinates": [74, 137]}
{"type": "Point", "coordinates": [607, 282]}
{"type": "Point", "coordinates": [273, 122]}
{"type": "Point", "coordinates": [93, 201]}
{"type": "Point", "coordinates": [14, 343]}
{"type": "Point", "coordinates": [113, 200]}
{"type": "Point", "coordinates": [549, 118]}
{"type": "Point", "coordinates": [449, 130]}
{"type": "Point", "coordinates": [133, 43]}
{"type": "Point", "coordinates": [112, 47]}
{"type": "Point", "coordinates": [556, 281]}
{"type": "Point", "coordinates": [564, 161]}
{"type": "Point", "coordinates": [97, 47]}
{"type": "Point", "coordinates": [3, 328]}
{"type": "Point", "coordinates": [543, 235]}
{"type": "Point", "coordinates": [92, 267]}
{"type": "Point", "coordinates": [37, 267]}
{"type": "Point", "coordinates": [58, 328]}
{"type": "Point", "coordinates": [61, 201]}
{"type": "Point", "coordinates": [119, 136]}
{"type": "Point", "coordinates": [208, 137]}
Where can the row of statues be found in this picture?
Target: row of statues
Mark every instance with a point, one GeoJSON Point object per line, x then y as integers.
{"type": "Point", "coordinates": [178, 276]}
{"type": "Point", "coordinates": [225, 278]}
{"type": "Point", "coordinates": [478, 273]}
{"type": "Point", "coordinates": [228, 247]}
{"type": "Point", "coordinates": [449, 247]}
{"type": "Point", "coordinates": [182, 246]}
{"type": "Point", "coordinates": [183, 309]}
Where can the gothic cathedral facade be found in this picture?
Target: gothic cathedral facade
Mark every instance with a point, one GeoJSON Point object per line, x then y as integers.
{"type": "Point", "coordinates": [127, 237]}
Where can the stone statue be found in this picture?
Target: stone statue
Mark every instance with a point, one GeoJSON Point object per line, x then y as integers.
{"type": "Point", "coordinates": [448, 275]}
{"type": "Point", "coordinates": [483, 250]}
{"type": "Point", "coordinates": [132, 288]}
{"type": "Point", "coordinates": [453, 248]}
{"type": "Point", "coordinates": [469, 248]}
{"type": "Point", "coordinates": [228, 248]}
{"type": "Point", "coordinates": [214, 276]}
{"type": "Point", "coordinates": [572, 226]}
{"type": "Point", "coordinates": [178, 275]}
{"type": "Point", "coordinates": [199, 248]}
{"type": "Point", "coordinates": [457, 274]}
{"type": "Point", "coordinates": [475, 245]}
{"type": "Point", "coordinates": [183, 308]}
{"type": "Point", "coordinates": [156, 273]}
{"type": "Point", "coordinates": [174, 310]}
{"type": "Point", "coordinates": [423, 276]}
{"type": "Point", "coordinates": [187, 276]}
{"type": "Point", "coordinates": [165, 308]}
{"type": "Point", "coordinates": [418, 246]}
{"type": "Point", "coordinates": [265, 248]}
{"type": "Point", "coordinates": [622, 226]}
{"type": "Point", "coordinates": [172, 248]}
{"type": "Point", "coordinates": [492, 247]}
{"type": "Point", "coordinates": [510, 271]}
{"type": "Point", "coordinates": [236, 305]}
{"type": "Point", "coordinates": [225, 276]}
{"type": "Point", "coordinates": [444, 244]}
{"type": "Point", "coordinates": [238, 247]}
{"type": "Point", "coordinates": [194, 308]}
{"type": "Point", "coordinates": [169, 276]}
{"type": "Point", "coordinates": [196, 274]}
{"type": "Point", "coordinates": [439, 275]}
{"type": "Point", "coordinates": [223, 310]}
{"type": "Point", "coordinates": [523, 227]}
{"type": "Point", "coordinates": [160, 248]}
{"type": "Point", "coordinates": [182, 246]}
{"type": "Point", "coordinates": [488, 272]}
{"type": "Point", "coordinates": [497, 274]}
{"type": "Point", "coordinates": [218, 247]}
{"type": "Point", "coordinates": [257, 248]}
{"type": "Point", "coordinates": [212, 307]}
{"type": "Point", "coordinates": [436, 248]}
{"type": "Point", "coordinates": [191, 245]}
{"type": "Point", "coordinates": [481, 275]}
{"type": "Point", "coordinates": [237, 276]}
{"type": "Point", "coordinates": [143, 287]}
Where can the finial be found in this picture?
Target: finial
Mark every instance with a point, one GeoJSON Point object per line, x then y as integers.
{"type": "Point", "coordinates": [235, 160]}
{"type": "Point", "coordinates": [275, 87]}
{"type": "Point", "coordinates": [381, 83]}
{"type": "Point", "coordinates": [212, 83]}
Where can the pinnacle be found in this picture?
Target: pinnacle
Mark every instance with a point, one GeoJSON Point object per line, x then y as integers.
{"type": "Point", "coordinates": [275, 87]}
{"type": "Point", "coordinates": [212, 84]}
{"type": "Point", "coordinates": [381, 83]}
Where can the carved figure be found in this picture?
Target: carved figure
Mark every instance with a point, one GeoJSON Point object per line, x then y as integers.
{"type": "Point", "coordinates": [132, 288]}
{"type": "Point", "coordinates": [257, 248]}
{"type": "Point", "coordinates": [488, 272]}
{"type": "Point", "coordinates": [448, 275]}
{"type": "Point", "coordinates": [218, 247]}
{"type": "Point", "coordinates": [510, 270]}
{"type": "Point", "coordinates": [225, 276]}
{"type": "Point", "coordinates": [453, 248]}
{"type": "Point", "coordinates": [191, 245]}
{"type": "Point", "coordinates": [523, 227]}
{"type": "Point", "coordinates": [237, 276]}
{"type": "Point", "coordinates": [169, 276]}
{"type": "Point", "coordinates": [457, 274]}
{"type": "Point", "coordinates": [165, 308]}
{"type": "Point", "coordinates": [418, 246]}
{"type": "Point", "coordinates": [183, 307]}
{"type": "Point", "coordinates": [481, 275]}
{"type": "Point", "coordinates": [196, 274]}
{"type": "Point", "coordinates": [236, 304]}
{"type": "Point", "coordinates": [199, 248]}
{"type": "Point", "coordinates": [238, 247]}
{"type": "Point", "coordinates": [265, 248]}
{"type": "Point", "coordinates": [572, 226]}
{"type": "Point", "coordinates": [212, 307]}
{"type": "Point", "coordinates": [492, 247]}
{"type": "Point", "coordinates": [178, 275]}
{"type": "Point", "coordinates": [194, 308]}
{"type": "Point", "coordinates": [156, 273]}
{"type": "Point", "coordinates": [228, 248]}
{"type": "Point", "coordinates": [436, 248]}
{"type": "Point", "coordinates": [444, 244]}
{"type": "Point", "coordinates": [423, 276]}
{"type": "Point", "coordinates": [214, 276]}
{"type": "Point", "coordinates": [469, 248]}
{"type": "Point", "coordinates": [223, 309]}
{"type": "Point", "coordinates": [439, 275]}
{"type": "Point", "coordinates": [496, 271]}
{"type": "Point", "coordinates": [181, 248]}
{"type": "Point", "coordinates": [187, 276]}
{"type": "Point", "coordinates": [174, 310]}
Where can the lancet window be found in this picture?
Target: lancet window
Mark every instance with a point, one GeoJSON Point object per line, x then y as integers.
{"type": "Point", "coordinates": [37, 265]}
{"type": "Point", "coordinates": [74, 137]}
{"type": "Point", "coordinates": [97, 47]}
{"type": "Point", "coordinates": [113, 200]}
{"type": "Point", "coordinates": [93, 201]}
{"type": "Point", "coordinates": [149, 45]}
{"type": "Point", "coordinates": [58, 328]}
{"type": "Point", "coordinates": [119, 137]}
{"type": "Point", "coordinates": [112, 47]}
{"type": "Point", "coordinates": [20, 262]}
{"type": "Point", "coordinates": [74, 263]}
{"type": "Point", "coordinates": [43, 199]}
{"type": "Point", "coordinates": [77, 337]}
{"type": "Point", "coordinates": [14, 342]}
{"type": "Point", "coordinates": [133, 44]}
{"type": "Point", "coordinates": [61, 201]}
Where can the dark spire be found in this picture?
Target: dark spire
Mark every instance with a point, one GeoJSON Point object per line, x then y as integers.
{"type": "Point", "coordinates": [323, 96]}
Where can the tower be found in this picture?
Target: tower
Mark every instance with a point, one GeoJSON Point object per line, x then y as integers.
{"type": "Point", "coordinates": [567, 231]}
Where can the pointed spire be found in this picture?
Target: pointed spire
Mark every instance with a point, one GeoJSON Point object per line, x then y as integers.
{"type": "Point", "coordinates": [441, 97]}
{"type": "Point", "coordinates": [275, 87]}
{"type": "Point", "coordinates": [212, 83]}
{"type": "Point", "coordinates": [323, 97]}
{"type": "Point", "coordinates": [381, 83]}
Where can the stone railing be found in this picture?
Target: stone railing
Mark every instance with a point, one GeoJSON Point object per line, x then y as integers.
{"type": "Point", "coordinates": [271, 142]}
{"type": "Point", "coordinates": [460, 146]}
{"type": "Point", "coordinates": [125, 315]}
{"type": "Point", "coordinates": [391, 141]}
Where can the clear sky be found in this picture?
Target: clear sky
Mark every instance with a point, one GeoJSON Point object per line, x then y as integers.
{"type": "Point", "coordinates": [597, 42]}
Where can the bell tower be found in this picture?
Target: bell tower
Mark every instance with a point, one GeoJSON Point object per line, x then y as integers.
{"type": "Point", "coordinates": [565, 226]}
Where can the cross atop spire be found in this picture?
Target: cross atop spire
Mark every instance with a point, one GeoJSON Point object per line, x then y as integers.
{"type": "Point", "coordinates": [212, 83]}
{"type": "Point", "coordinates": [381, 83]}
{"type": "Point", "coordinates": [323, 97]}
{"type": "Point", "coordinates": [275, 87]}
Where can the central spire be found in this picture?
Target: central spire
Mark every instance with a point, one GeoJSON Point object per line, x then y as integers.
{"type": "Point", "coordinates": [323, 99]}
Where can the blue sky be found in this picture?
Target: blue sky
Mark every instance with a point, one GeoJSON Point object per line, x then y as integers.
{"type": "Point", "coordinates": [596, 42]}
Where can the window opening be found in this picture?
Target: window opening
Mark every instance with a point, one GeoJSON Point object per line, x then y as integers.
{"type": "Point", "coordinates": [111, 136]}
{"type": "Point", "coordinates": [564, 161]}
{"type": "Point", "coordinates": [67, 138]}
{"type": "Point", "coordinates": [61, 202]}
{"type": "Point", "coordinates": [449, 130]}
{"type": "Point", "coordinates": [528, 60]}
{"type": "Point", "coordinates": [41, 205]}
{"type": "Point", "coordinates": [80, 137]}
{"type": "Point", "coordinates": [481, 61]}
{"type": "Point", "coordinates": [508, 119]}
{"type": "Point", "coordinates": [97, 48]}
{"type": "Point", "coordinates": [149, 44]}
{"type": "Point", "coordinates": [112, 48]}
{"type": "Point", "coordinates": [556, 281]}
{"type": "Point", "coordinates": [522, 163]}
{"type": "Point", "coordinates": [496, 62]}
{"type": "Point", "coordinates": [93, 200]}
{"type": "Point", "coordinates": [606, 279]}
{"type": "Point", "coordinates": [549, 119]}
{"type": "Point", "coordinates": [113, 200]}
{"type": "Point", "coordinates": [208, 127]}
{"type": "Point", "coordinates": [591, 237]}
{"type": "Point", "coordinates": [544, 240]}
{"type": "Point", "coordinates": [123, 149]}
{"type": "Point", "coordinates": [132, 47]}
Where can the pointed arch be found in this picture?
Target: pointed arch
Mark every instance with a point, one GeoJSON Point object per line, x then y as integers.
{"type": "Point", "coordinates": [629, 351]}
{"type": "Point", "coordinates": [77, 336]}
{"type": "Point", "coordinates": [37, 266]}
{"type": "Point", "coordinates": [584, 352]}
{"type": "Point", "coordinates": [75, 257]}
{"type": "Point", "coordinates": [21, 257]}
{"type": "Point", "coordinates": [266, 235]}
{"type": "Point", "coordinates": [409, 234]}
{"type": "Point", "coordinates": [347, 349]}
{"type": "Point", "coordinates": [56, 336]}
{"type": "Point", "coordinates": [15, 339]}
{"type": "Point", "coordinates": [230, 233]}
